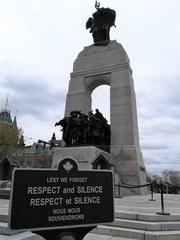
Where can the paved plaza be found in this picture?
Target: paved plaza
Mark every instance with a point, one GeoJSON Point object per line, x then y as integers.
{"type": "Point", "coordinates": [141, 204]}
{"type": "Point", "coordinates": [138, 204]}
{"type": "Point", "coordinates": [134, 210]}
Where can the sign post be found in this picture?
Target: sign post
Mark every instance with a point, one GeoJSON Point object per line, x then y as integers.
{"type": "Point", "coordinates": [47, 199]}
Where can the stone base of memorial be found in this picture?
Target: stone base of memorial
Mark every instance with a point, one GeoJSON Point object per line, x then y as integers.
{"type": "Point", "coordinates": [87, 157]}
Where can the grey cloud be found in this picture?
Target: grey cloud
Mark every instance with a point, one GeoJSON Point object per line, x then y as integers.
{"type": "Point", "coordinates": [154, 146]}
{"type": "Point", "coordinates": [150, 161]}
{"type": "Point", "coordinates": [162, 159]}
{"type": "Point", "coordinates": [160, 96]}
{"type": "Point", "coordinates": [158, 169]}
{"type": "Point", "coordinates": [170, 155]}
{"type": "Point", "coordinates": [30, 96]}
{"type": "Point", "coordinates": [159, 126]}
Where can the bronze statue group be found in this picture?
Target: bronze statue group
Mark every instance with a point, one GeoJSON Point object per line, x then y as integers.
{"type": "Point", "coordinates": [83, 129]}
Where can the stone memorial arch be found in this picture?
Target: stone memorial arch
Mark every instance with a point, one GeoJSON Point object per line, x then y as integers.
{"type": "Point", "coordinates": [104, 62]}
{"type": "Point", "coordinates": [98, 65]}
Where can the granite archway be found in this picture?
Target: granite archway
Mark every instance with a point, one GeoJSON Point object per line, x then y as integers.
{"type": "Point", "coordinates": [110, 65]}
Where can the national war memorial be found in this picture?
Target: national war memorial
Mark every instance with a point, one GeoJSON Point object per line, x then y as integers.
{"type": "Point", "coordinates": [87, 135]}
{"type": "Point", "coordinates": [77, 195]}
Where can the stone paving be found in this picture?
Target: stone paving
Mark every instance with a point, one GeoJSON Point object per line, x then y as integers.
{"type": "Point", "coordinates": [4, 205]}
{"type": "Point", "coordinates": [134, 204]}
{"type": "Point", "coordinates": [141, 204]}
{"type": "Point", "coordinates": [92, 236]}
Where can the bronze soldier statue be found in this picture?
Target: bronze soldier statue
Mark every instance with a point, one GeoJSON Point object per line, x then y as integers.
{"type": "Point", "coordinates": [83, 129]}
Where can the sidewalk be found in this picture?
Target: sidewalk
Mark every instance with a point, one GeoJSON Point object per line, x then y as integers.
{"type": "Point", "coordinates": [141, 204]}
{"type": "Point", "coordinates": [136, 218]}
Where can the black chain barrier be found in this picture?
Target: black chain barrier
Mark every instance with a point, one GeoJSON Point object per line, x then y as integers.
{"type": "Point", "coordinates": [172, 185]}
{"type": "Point", "coordinates": [132, 186]}
{"type": "Point", "coordinates": [153, 184]}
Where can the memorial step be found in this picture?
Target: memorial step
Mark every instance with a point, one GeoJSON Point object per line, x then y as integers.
{"type": "Point", "coordinates": [145, 222]}
{"type": "Point", "coordinates": [136, 234]}
{"type": "Point", "coordinates": [6, 231]}
{"type": "Point", "coordinates": [22, 236]}
{"type": "Point", "coordinates": [3, 218]}
{"type": "Point", "coordinates": [125, 226]}
{"type": "Point", "coordinates": [119, 232]}
{"type": "Point", "coordinates": [5, 193]}
{"type": "Point", "coordinates": [147, 217]}
{"type": "Point", "coordinates": [147, 226]}
{"type": "Point", "coordinates": [92, 236]}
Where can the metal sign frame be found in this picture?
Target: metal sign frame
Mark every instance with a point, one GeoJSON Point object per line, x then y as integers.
{"type": "Point", "coordinates": [56, 227]}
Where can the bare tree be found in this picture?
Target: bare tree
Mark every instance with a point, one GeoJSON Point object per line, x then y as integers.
{"type": "Point", "coordinates": [172, 177]}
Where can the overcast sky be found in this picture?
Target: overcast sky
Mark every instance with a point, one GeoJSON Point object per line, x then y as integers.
{"type": "Point", "coordinates": [40, 39]}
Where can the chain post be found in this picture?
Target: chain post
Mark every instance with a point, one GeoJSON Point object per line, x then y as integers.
{"type": "Point", "coordinates": [161, 183]}
{"type": "Point", "coordinates": [152, 190]}
{"type": "Point", "coordinates": [119, 191]}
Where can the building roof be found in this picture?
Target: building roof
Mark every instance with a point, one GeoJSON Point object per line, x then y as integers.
{"type": "Point", "coordinates": [13, 161]}
{"type": "Point", "coordinates": [5, 117]}
{"type": "Point", "coordinates": [38, 148]}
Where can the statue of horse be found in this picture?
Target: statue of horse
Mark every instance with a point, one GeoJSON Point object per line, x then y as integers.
{"type": "Point", "coordinates": [101, 22]}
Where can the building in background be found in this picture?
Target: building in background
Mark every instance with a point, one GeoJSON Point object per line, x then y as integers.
{"type": "Point", "coordinates": [10, 134]}
{"type": "Point", "coordinates": [14, 153]}
{"type": "Point", "coordinates": [40, 154]}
